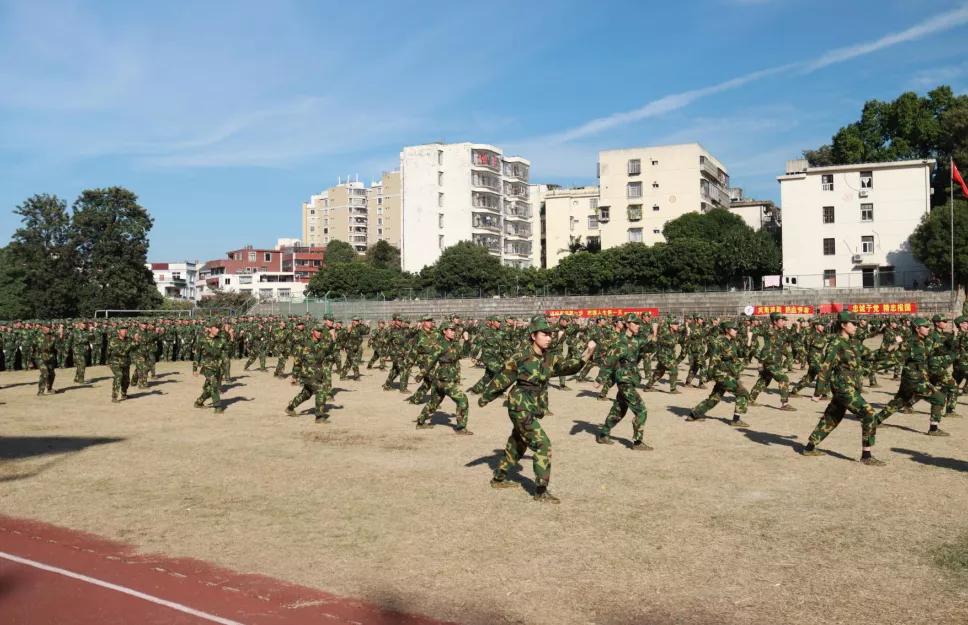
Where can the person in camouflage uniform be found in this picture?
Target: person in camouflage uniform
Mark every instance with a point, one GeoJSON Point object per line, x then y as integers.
{"type": "Point", "coordinates": [568, 339]}
{"type": "Point", "coordinates": [605, 376]}
{"type": "Point", "coordinates": [62, 343]}
{"type": "Point", "coordinates": [942, 357]}
{"type": "Point", "coordinates": [210, 360]}
{"type": "Point", "coordinates": [257, 345]}
{"type": "Point", "coordinates": [81, 346]}
{"type": "Point", "coordinates": [230, 343]}
{"type": "Point", "coordinates": [621, 364]}
{"type": "Point", "coordinates": [442, 369]}
{"type": "Point", "coordinates": [816, 341]}
{"type": "Point", "coordinates": [727, 357]}
{"type": "Point", "coordinates": [959, 371]}
{"type": "Point", "coordinates": [44, 352]}
{"type": "Point", "coordinates": [281, 337]}
{"type": "Point", "coordinates": [666, 356]}
{"type": "Point", "coordinates": [842, 372]}
{"type": "Point", "coordinates": [696, 346]}
{"type": "Point", "coordinates": [493, 354]}
{"type": "Point", "coordinates": [354, 347]}
{"type": "Point", "coordinates": [400, 333]}
{"type": "Point", "coordinates": [120, 347]}
{"type": "Point", "coordinates": [771, 356]}
{"type": "Point", "coordinates": [314, 355]}
{"type": "Point", "coordinates": [597, 331]}
{"type": "Point", "coordinates": [378, 343]}
{"type": "Point", "coordinates": [139, 355]}
{"type": "Point", "coordinates": [526, 374]}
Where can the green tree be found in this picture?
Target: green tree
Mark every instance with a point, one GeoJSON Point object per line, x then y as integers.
{"type": "Point", "coordinates": [43, 254]}
{"type": "Point", "coordinates": [582, 273]}
{"type": "Point", "coordinates": [110, 231]}
{"type": "Point", "coordinates": [382, 255]}
{"type": "Point", "coordinates": [931, 241]}
{"type": "Point", "coordinates": [467, 269]}
{"type": "Point", "coordinates": [686, 264]}
{"type": "Point", "coordinates": [238, 302]}
{"type": "Point", "coordinates": [14, 301]}
{"type": "Point", "coordinates": [908, 128]}
{"type": "Point", "coordinates": [340, 252]}
{"type": "Point", "coordinates": [711, 226]}
{"type": "Point", "coordinates": [747, 254]}
{"type": "Point", "coordinates": [352, 280]}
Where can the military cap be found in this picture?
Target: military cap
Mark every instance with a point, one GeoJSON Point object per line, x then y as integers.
{"type": "Point", "coordinates": [122, 326]}
{"type": "Point", "coordinates": [939, 318]}
{"type": "Point", "coordinates": [357, 318]}
{"type": "Point", "coordinates": [328, 317]}
{"type": "Point", "coordinates": [846, 317]}
{"type": "Point", "coordinates": [960, 319]}
{"type": "Point", "coordinates": [776, 316]}
{"type": "Point", "coordinates": [565, 317]}
{"type": "Point", "coordinates": [447, 325]}
{"type": "Point", "coordinates": [509, 318]}
{"type": "Point", "coordinates": [728, 325]}
{"type": "Point", "coordinates": [493, 318]}
{"type": "Point", "coordinates": [302, 322]}
{"type": "Point", "coordinates": [698, 318]}
{"type": "Point", "coordinates": [319, 327]}
{"type": "Point", "coordinates": [633, 318]}
{"type": "Point", "coordinates": [920, 322]}
{"type": "Point", "coordinates": [427, 318]}
{"type": "Point", "coordinates": [395, 317]}
{"type": "Point", "coordinates": [538, 324]}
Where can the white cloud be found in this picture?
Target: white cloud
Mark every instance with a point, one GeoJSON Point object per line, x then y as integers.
{"type": "Point", "coordinates": [932, 77]}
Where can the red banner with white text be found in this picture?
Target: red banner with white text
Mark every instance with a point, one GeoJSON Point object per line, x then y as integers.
{"type": "Point", "coordinates": [595, 312]}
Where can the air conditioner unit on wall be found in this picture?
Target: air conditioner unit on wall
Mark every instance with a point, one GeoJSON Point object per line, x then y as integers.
{"type": "Point", "coordinates": [856, 259]}
{"type": "Point", "coordinates": [863, 193]}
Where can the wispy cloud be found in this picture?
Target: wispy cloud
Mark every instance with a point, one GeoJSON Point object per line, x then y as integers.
{"type": "Point", "coordinates": [942, 22]}
{"type": "Point", "coordinates": [932, 77]}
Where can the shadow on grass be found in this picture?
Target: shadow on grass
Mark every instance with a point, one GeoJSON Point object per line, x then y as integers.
{"type": "Point", "coordinates": [936, 461]}
{"type": "Point", "coordinates": [514, 473]}
{"type": "Point", "coordinates": [234, 400]}
{"type": "Point", "coordinates": [20, 447]}
{"type": "Point", "coordinates": [6, 386]}
{"type": "Point", "coordinates": [768, 438]}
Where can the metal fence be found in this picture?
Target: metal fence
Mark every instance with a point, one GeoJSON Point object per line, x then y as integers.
{"type": "Point", "coordinates": [874, 279]}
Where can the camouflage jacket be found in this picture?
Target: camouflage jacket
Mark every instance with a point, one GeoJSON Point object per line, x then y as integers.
{"type": "Point", "coordinates": [843, 365]}
{"type": "Point", "coordinates": [211, 351]}
{"type": "Point", "coordinates": [314, 357]}
{"type": "Point", "coordinates": [44, 347]}
{"type": "Point", "coordinates": [816, 346]}
{"type": "Point", "coordinates": [774, 344]}
{"type": "Point", "coordinates": [443, 362]}
{"type": "Point", "coordinates": [493, 344]}
{"type": "Point", "coordinates": [529, 373]}
{"type": "Point", "coordinates": [726, 357]}
{"type": "Point", "coordinates": [621, 361]}
{"type": "Point", "coordinates": [666, 347]}
{"type": "Point", "coordinates": [119, 350]}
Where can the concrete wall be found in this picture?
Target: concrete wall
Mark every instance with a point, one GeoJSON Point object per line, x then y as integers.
{"type": "Point", "coordinates": [709, 304]}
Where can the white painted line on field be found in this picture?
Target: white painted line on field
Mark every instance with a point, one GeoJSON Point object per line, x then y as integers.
{"type": "Point", "coordinates": [122, 589]}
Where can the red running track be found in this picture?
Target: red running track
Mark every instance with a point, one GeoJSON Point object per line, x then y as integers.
{"type": "Point", "coordinates": [50, 574]}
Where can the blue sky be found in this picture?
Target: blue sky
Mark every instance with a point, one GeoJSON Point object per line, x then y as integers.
{"type": "Point", "coordinates": [224, 116]}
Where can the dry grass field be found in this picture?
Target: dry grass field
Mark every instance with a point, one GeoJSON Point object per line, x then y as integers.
{"type": "Point", "coordinates": [715, 526]}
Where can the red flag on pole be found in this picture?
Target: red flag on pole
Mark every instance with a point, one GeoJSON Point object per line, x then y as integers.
{"type": "Point", "coordinates": [956, 176]}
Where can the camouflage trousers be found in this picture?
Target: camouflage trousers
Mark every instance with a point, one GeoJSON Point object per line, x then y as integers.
{"type": "Point", "coordinates": [280, 371]}
{"type": "Point", "coordinates": [212, 386]}
{"type": "Point", "coordinates": [439, 390]}
{"type": "Point", "coordinates": [583, 374]}
{"type": "Point", "coordinates": [811, 376]}
{"type": "Point", "coordinates": [227, 366]}
{"type": "Point", "coordinates": [352, 362]}
{"type": "Point", "coordinates": [943, 381]}
{"type": "Point", "coordinates": [399, 367]}
{"type": "Point", "coordinates": [320, 388]}
{"type": "Point", "coordinates": [720, 388]}
{"type": "Point", "coordinates": [47, 370]}
{"type": "Point", "coordinates": [909, 393]}
{"type": "Point", "coordinates": [80, 363]}
{"type": "Point", "coordinates": [663, 367]}
{"type": "Point", "coordinates": [959, 374]}
{"type": "Point", "coordinates": [697, 368]}
{"type": "Point", "coordinates": [142, 369]}
{"type": "Point", "coordinates": [527, 434]}
{"type": "Point", "coordinates": [122, 379]}
{"type": "Point", "coordinates": [627, 397]}
{"type": "Point", "coordinates": [605, 376]}
{"type": "Point", "coordinates": [844, 400]}
{"type": "Point", "coordinates": [490, 370]}
{"type": "Point", "coordinates": [168, 350]}
{"type": "Point", "coordinates": [257, 349]}
{"type": "Point", "coordinates": [767, 374]}
{"type": "Point", "coordinates": [62, 352]}
{"type": "Point", "coordinates": [377, 355]}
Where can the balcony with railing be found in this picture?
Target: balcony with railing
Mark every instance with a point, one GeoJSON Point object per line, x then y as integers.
{"type": "Point", "coordinates": [359, 211]}
{"type": "Point", "coordinates": [486, 221]}
{"type": "Point", "coordinates": [491, 241]}
{"type": "Point", "coordinates": [357, 201]}
{"type": "Point", "coordinates": [519, 171]}
{"type": "Point", "coordinates": [486, 158]}
{"type": "Point", "coordinates": [360, 220]}
{"type": "Point", "coordinates": [714, 193]}
{"type": "Point", "coordinates": [517, 263]}
{"type": "Point", "coordinates": [517, 248]}
{"type": "Point", "coordinates": [358, 230]}
{"type": "Point", "coordinates": [710, 169]}
{"type": "Point", "coordinates": [486, 199]}
{"type": "Point", "coordinates": [486, 180]}
{"type": "Point", "coordinates": [515, 209]}
{"type": "Point", "coordinates": [515, 189]}
{"type": "Point", "coordinates": [517, 229]}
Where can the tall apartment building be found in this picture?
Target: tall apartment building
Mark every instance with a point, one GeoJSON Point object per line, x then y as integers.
{"type": "Point", "coordinates": [643, 188]}
{"type": "Point", "coordinates": [385, 215]}
{"type": "Point", "coordinates": [339, 213]}
{"type": "Point", "coordinates": [464, 192]}
{"type": "Point", "coordinates": [758, 214]}
{"type": "Point", "coordinates": [566, 215]}
{"type": "Point", "coordinates": [848, 225]}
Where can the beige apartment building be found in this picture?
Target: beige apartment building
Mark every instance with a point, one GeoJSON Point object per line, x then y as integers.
{"type": "Point", "coordinates": [564, 214]}
{"type": "Point", "coordinates": [339, 213]}
{"type": "Point", "coordinates": [643, 188]}
{"type": "Point", "coordinates": [384, 205]}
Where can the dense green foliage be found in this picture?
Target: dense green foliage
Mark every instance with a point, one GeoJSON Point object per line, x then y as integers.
{"type": "Point", "coordinates": [340, 252]}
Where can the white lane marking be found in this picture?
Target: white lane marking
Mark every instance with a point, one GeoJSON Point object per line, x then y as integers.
{"type": "Point", "coordinates": [122, 589]}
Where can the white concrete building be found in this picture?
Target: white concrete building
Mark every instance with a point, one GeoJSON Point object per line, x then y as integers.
{"type": "Point", "coordinates": [175, 280]}
{"type": "Point", "coordinates": [757, 214]}
{"type": "Point", "coordinates": [643, 188]}
{"type": "Point", "coordinates": [260, 284]}
{"type": "Point", "coordinates": [464, 192]}
{"type": "Point", "coordinates": [568, 214]}
{"type": "Point", "coordinates": [339, 213]}
{"type": "Point", "coordinates": [848, 225]}
{"type": "Point", "coordinates": [281, 243]}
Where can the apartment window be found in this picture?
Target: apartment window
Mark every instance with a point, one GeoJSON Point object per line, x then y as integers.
{"type": "Point", "coordinates": [440, 178]}
{"type": "Point", "coordinates": [312, 212]}
{"type": "Point", "coordinates": [635, 235]}
{"type": "Point", "coordinates": [228, 281]}
{"type": "Point", "coordinates": [655, 208]}
{"type": "Point", "coordinates": [440, 220]}
{"type": "Point", "coordinates": [635, 167]}
{"type": "Point", "coordinates": [830, 277]}
{"type": "Point", "coordinates": [440, 157]}
{"type": "Point", "coordinates": [866, 180]}
{"type": "Point", "coordinates": [656, 231]}
{"type": "Point", "coordinates": [867, 245]}
{"type": "Point", "coordinates": [654, 162]}
{"type": "Point", "coordinates": [828, 182]}
{"type": "Point", "coordinates": [285, 293]}
{"type": "Point", "coordinates": [603, 213]}
{"type": "Point", "coordinates": [655, 185]}
{"type": "Point", "coordinates": [312, 228]}
{"type": "Point", "coordinates": [593, 203]}
{"type": "Point", "coordinates": [867, 212]}
{"type": "Point", "coordinates": [440, 241]}
{"type": "Point", "coordinates": [251, 257]}
{"type": "Point", "coordinates": [267, 257]}
{"type": "Point", "coordinates": [326, 222]}
{"type": "Point", "coordinates": [828, 247]}
{"type": "Point", "coordinates": [379, 201]}
{"type": "Point", "coordinates": [379, 211]}
{"type": "Point", "coordinates": [175, 275]}
{"type": "Point", "coordinates": [379, 231]}
{"type": "Point", "coordinates": [828, 214]}
{"type": "Point", "coordinates": [634, 190]}
{"type": "Point", "coordinates": [571, 223]}
{"type": "Point", "coordinates": [440, 200]}
{"type": "Point", "coordinates": [635, 212]}
{"type": "Point", "coordinates": [592, 222]}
